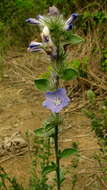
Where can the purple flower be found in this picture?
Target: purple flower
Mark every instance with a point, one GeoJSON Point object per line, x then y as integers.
{"type": "Point", "coordinates": [32, 21]}
{"type": "Point", "coordinates": [68, 23]}
{"type": "Point", "coordinates": [35, 46]}
{"type": "Point", "coordinates": [57, 100]}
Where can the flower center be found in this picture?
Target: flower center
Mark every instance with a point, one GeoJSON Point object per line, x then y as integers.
{"type": "Point", "coordinates": [57, 101]}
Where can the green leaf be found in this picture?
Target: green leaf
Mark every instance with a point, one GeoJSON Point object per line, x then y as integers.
{"type": "Point", "coordinates": [75, 64]}
{"type": "Point", "coordinates": [3, 176]}
{"type": "Point", "coordinates": [39, 132]}
{"type": "Point", "coordinates": [73, 39]}
{"type": "Point", "coordinates": [67, 152]}
{"type": "Point", "coordinates": [1, 184]}
{"type": "Point", "coordinates": [42, 84]}
{"type": "Point", "coordinates": [50, 131]}
{"type": "Point", "coordinates": [91, 96]}
{"type": "Point", "coordinates": [49, 168]}
{"type": "Point", "coordinates": [105, 103]}
{"type": "Point", "coordinates": [69, 74]}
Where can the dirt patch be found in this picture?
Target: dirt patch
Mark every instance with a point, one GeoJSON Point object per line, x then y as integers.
{"type": "Point", "coordinates": [21, 110]}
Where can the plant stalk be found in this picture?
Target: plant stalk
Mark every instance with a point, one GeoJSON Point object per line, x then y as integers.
{"type": "Point", "coordinates": [56, 131]}
{"type": "Point", "coordinates": [57, 158]}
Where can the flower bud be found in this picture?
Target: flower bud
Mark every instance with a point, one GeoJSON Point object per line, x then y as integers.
{"type": "Point", "coordinates": [71, 18]}
{"type": "Point", "coordinates": [35, 46]}
{"type": "Point", "coordinates": [32, 21]}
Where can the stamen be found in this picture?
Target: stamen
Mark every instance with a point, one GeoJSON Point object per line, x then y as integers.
{"type": "Point", "coordinates": [57, 101]}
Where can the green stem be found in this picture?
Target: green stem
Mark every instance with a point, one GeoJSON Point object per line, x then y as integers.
{"type": "Point", "coordinates": [48, 150]}
{"type": "Point", "coordinates": [57, 158]}
{"type": "Point", "coordinates": [56, 131]}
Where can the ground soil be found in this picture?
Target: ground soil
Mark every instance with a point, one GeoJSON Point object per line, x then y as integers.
{"type": "Point", "coordinates": [21, 110]}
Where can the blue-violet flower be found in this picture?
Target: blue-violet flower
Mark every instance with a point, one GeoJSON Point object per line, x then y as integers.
{"type": "Point", "coordinates": [57, 100]}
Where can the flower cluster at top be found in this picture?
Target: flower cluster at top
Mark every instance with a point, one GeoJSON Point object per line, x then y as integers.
{"type": "Point", "coordinates": [52, 27]}
{"type": "Point", "coordinates": [47, 44]}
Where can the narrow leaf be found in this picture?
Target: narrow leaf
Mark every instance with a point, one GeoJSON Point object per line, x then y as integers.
{"type": "Point", "coordinates": [73, 39]}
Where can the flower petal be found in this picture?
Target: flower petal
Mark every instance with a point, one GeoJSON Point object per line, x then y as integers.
{"type": "Point", "coordinates": [71, 18]}
{"type": "Point", "coordinates": [32, 21]}
{"type": "Point", "coordinates": [40, 17]}
{"type": "Point", "coordinates": [33, 49]}
{"type": "Point", "coordinates": [35, 44]}
{"type": "Point", "coordinates": [46, 31]}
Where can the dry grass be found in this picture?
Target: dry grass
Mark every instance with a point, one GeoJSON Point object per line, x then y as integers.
{"type": "Point", "coordinates": [25, 68]}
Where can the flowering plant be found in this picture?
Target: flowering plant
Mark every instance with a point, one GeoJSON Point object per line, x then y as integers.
{"type": "Point", "coordinates": [56, 35]}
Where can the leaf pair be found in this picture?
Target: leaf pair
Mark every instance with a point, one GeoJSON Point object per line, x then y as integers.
{"type": "Point", "coordinates": [64, 154]}
{"type": "Point", "coordinates": [67, 74]}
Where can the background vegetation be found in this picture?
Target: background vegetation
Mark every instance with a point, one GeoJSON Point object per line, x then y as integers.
{"type": "Point", "coordinates": [15, 33]}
